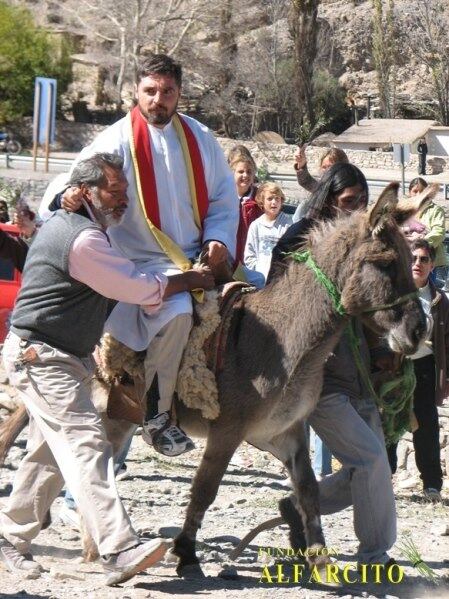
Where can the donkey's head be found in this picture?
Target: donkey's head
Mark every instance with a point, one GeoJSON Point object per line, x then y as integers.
{"type": "Point", "coordinates": [375, 278]}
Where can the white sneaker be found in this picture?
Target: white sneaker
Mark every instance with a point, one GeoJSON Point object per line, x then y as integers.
{"type": "Point", "coordinates": [166, 438]}
{"type": "Point", "coordinates": [69, 517]}
{"type": "Point", "coordinates": [23, 565]}
{"type": "Point", "coordinates": [126, 564]}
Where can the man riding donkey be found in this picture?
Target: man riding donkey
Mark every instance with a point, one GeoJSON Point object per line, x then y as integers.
{"type": "Point", "coordinates": [71, 270]}
{"type": "Point", "coordinates": [182, 200]}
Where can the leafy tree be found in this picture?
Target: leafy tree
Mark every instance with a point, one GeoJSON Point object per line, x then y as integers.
{"type": "Point", "coordinates": [26, 52]}
{"type": "Point", "coordinates": [331, 110]}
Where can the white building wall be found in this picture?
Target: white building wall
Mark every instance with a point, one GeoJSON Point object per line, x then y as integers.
{"type": "Point", "coordinates": [438, 142]}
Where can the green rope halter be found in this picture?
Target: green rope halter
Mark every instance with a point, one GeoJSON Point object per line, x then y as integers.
{"type": "Point", "coordinates": [395, 397]}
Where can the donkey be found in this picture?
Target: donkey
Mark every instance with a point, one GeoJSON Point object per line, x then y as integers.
{"type": "Point", "coordinates": [277, 343]}
{"type": "Point", "coordinates": [278, 340]}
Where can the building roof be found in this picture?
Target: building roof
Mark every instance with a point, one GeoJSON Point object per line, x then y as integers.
{"type": "Point", "coordinates": [385, 131]}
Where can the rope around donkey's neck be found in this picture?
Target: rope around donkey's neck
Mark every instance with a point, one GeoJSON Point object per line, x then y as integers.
{"type": "Point", "coordinates": [395, 411]}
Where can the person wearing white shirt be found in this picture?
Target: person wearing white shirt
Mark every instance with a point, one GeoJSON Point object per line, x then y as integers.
{"type": "Point", "coordinates": [189, 196]}
{"type": "Point", "coordinates": [265, 232]}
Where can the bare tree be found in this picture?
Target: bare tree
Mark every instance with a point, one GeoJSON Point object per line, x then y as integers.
{"type": "Point", "coordinates": [127, 26]}
{"type": "Point", "coordinates": [385, 54]}
{"type": "Point", "coordinates": [426, 27]}
{"type": "Point", "coordinates": [304, 31]}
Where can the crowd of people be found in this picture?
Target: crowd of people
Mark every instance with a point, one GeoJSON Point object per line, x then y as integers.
{"type": "Point", "coordinates": [140, 203]}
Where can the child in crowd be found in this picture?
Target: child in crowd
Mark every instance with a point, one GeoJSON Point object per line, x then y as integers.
{"type": "Point", "coordinates": [244, 169]}
{"type": "Point", "coordinates": [265, 231]}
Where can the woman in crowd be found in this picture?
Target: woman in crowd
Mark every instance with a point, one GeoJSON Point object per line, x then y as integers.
{"type": "Point", "coordinates": [244, 168]}
{"type": "Point", "coordinates": [430, 225]}
{"type": "Point", "coordinates": [330, 157]}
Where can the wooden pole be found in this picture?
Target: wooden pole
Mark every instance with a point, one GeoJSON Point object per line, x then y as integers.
{"type": "Point", "coordinates": [36, 124]}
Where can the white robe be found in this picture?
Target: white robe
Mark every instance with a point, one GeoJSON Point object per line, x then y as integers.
{"type": "Point", "coordinates": [129, 323]}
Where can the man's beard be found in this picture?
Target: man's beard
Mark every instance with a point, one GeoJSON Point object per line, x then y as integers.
{"type": "Point", "coordinates": [161, 116]}
{"type": "Point", "coordinates": [105, 216]}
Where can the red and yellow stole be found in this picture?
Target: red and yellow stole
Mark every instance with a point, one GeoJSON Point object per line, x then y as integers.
{"type": "Point", "coordinates": [146, 180]}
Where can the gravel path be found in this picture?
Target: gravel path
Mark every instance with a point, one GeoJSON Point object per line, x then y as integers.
{"type": "Point", "coordinates": [156, 493]}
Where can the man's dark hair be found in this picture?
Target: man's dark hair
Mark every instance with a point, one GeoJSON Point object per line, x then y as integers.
{"type": "Point", "coordinates": [423, 244]}
{"type": "Point", "coordinates": [91, 170]}
{"type": "Point", "coordinates": [159, 64]}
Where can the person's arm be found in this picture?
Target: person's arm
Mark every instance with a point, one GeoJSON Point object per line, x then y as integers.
{"type": "Point", "coordinates": [14, 248]}
{"type": "Point", "coordinates": [303, 176]}
{"type": "Point", "coordinates": [306, 181]}
{"type": "Point", "coordinates": [222, 217]}
{"type": "Point", "coordinates": [250, 256]}
{"type": "Point", "coordinates": [436, 225]}
{"type": "Point", "coordinates": [95, 263]}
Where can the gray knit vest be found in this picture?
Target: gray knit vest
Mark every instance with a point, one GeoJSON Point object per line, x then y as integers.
{"type": "Point", "coordinates": [52, 307]}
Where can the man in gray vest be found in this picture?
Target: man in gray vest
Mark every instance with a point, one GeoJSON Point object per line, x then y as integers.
{"type": "Point", "coordinates": [70, 272]}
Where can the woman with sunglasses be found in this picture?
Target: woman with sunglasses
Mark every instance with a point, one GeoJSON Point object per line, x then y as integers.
{"type": "Point", "coordinates": [431, 365]}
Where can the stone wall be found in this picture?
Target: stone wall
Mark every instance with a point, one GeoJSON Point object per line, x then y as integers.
{"type": "Point", "coordinates": [32, 189]}
{"type": "Point", "coordinates": [72, 137]}
{"type": "Point", "coordinates": [280, 157]}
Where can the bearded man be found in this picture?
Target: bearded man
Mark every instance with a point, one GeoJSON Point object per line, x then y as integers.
{"type": "Point", "coordinates": [70, 271]}
{"type": "Point", "coordinates": [182, 199]}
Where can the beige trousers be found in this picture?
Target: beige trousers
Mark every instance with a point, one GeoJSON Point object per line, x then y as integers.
{"type": "Point", "coordinates": [164, 357]}
{"type": "Point", "coordinates": [66, 442]}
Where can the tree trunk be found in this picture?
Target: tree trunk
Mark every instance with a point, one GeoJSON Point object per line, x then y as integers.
{"type": "Point", "coordinates": [304, 31]}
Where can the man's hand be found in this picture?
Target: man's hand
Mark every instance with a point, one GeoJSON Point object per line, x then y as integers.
{"type": "Point", "coordinates": [217, 253]}
{"type": "Point", "coordinates": [200, 277]}
{"type": "Point", "coordinates": [72, 199]}
{"type": "Point", "coordinates": [300, 157]}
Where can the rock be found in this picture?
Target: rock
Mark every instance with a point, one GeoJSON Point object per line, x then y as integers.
{"type": "Point", "coordinates": [228, 572]}
{"type": "Point", "coordinates": [58, 574]}
{"type": "Point", "coordinates": [408, 483]}
{"type": "Point", "coordinates": [441, 529]}
{"type": "Point", "coordinates": [169, 532]}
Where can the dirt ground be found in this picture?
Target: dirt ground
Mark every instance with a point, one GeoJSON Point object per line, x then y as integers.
{"type": "Point", "coordinates": [156, 493]}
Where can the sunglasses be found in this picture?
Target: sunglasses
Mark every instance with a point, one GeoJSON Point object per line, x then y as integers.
{"type": "Point", "coordinates": [421, 259]}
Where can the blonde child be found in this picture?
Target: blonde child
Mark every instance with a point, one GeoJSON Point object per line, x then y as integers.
{"type": "Point", "coordinates": [265, 231]}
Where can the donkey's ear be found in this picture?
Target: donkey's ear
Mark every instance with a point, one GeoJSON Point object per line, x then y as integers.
{"type": "Point", "coordinates": [408, 207]}
{"type": "Point", "coordinates": [384, 206]}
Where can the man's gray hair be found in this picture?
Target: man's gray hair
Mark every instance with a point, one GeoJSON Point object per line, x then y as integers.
{"type": "Point", "coordinates": [91, 170]}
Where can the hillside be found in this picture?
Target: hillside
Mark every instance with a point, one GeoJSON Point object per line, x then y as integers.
{"type": "Point", "coordinates": [236, 57]}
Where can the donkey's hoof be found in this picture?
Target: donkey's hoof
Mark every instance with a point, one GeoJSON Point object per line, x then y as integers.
{"type": "Point", "coordinates": [190, 572]}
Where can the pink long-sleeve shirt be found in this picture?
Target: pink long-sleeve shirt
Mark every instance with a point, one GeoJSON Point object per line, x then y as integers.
{"type": "Point", "coordinates": [95, 263]}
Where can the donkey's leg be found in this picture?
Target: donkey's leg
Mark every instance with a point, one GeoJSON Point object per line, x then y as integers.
{"type": "Point", "coordinates": [291, 448]}
{"type": "Point", "coordinates": [10, 429]}
{"type": "Point", "coordinates": [221, 445]}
